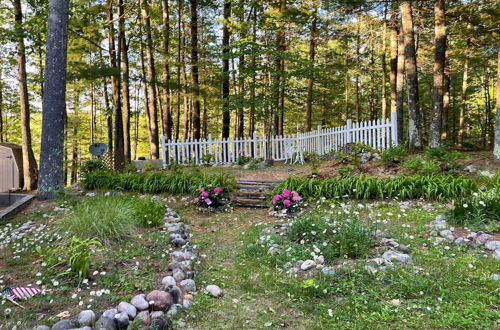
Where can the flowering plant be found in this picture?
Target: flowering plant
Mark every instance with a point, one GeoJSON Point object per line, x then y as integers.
{"type": "Point", "coordinates": [288, 202]}
{"type": "Point", "coordinates": [209, 198]}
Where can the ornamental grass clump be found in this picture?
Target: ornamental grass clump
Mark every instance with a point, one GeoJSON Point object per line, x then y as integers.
{"type": "Point", "coordinates": [287, 203]}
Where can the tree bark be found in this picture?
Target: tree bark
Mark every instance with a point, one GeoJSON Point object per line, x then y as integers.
{"type": "Point", "coordinates": [179, 48]}
{"type": "Point", "coordinates": [125, 83]}
{"type": "Point", "coordinates": [414, 129]}
{"type": "Point", "coordinates": [54, 102]}
{"type": "Point", "coordinates": [310, 80]}
{"type": "Point", "coordinates": [30, 171]}
{"type": "Point", "coordinates": [393, 26]}
{"type": "Point", "coordinates": [439, 65]}
{"type": "Point", "coordinates": [167, 108]}
{"type": "Point", "coordinates": [1, 105]}
{"type": "Point", "coordinates": [226, 115]}
{"type": "Point", "coordinates": [251, 115]}
{"type": "Point", "coordinates": [496, 149]}
{"type": "Point", "coordinates": [241, 71]}
{"type": "Point", "coordinates": [114, 60]}
{"type": "Point", "coordinates": [194, 71]}
{"type": "Point", "coordinates": [357, 106]}
{"type": "Point", "coordinates": [384, 65]}
{"type": "Point", "coordinates": [446, 106]}
{"type": "Point", "coordinates": [400, 80]}
{"type": "Point", "coordinates": [151, 83]}
{"type": "Point", "coordinates": [463, 104]}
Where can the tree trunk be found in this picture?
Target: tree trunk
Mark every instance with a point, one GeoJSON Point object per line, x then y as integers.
{"type": "Point", "coordinates": [446, 106]}
{"type": "Point", "coordinates": [179, 47]}
{"type": "Point", "coordinates": [439, 64]}
{"type": "Point", "coordinates": [30, 171]}
{"type": "Point", "coordinates": [414, 129]}
{"type": "Point", "coordinates": [463, 104]}
{"type": "Point", "coordinates": [241, 72]}
{"type": "Point", "coordinates": [54, 103]}
{"type": "Point", "coordinates": [1, 106]}
{"type": "Point", "coordinates": [384, 65]}
{"type": "Point", "coordinates": [400, 80]}
{"type": "Point", "coordinates": [167, 122]}
{"type": "Point", "coordinates": [226, 115]}
{"type": "Point", "coordinates": [74, 153]}
{"type": "Point", "coordinates": [310, 80]}
{"type": "Point", "coordinates": [393, 26]}
{"type": "Point", "coordinates": [194, 71]}
{"type": "Point", "coordinates": [357, 106]}
{"type": "Point", "coordinates": [114, 60]}
{"type": "Point", "coordinates": [496, 149]}
{"type": "Point", "coordinates": [151, 83]}
{"type": "Point", "coordinates": [125, 84]}
{"type": "Point", "coordinates": [251, 116]}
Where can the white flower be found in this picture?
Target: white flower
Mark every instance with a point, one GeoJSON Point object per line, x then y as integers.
{"type": "Point", "coordinates": [330, 312]}
{"type": "Point", "coordinates": [466, 206]}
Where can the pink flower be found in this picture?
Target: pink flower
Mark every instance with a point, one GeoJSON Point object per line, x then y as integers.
{"type": "Point", "coordinates": [286, 193]}
{"type": "Point", "coordinates": [287, 202]}
{"type": "Point", "coordinates": [296, 197]}
{"type": "Point", "coordinates": [196, 200]}
{"type": "Point", "coordinates": [217, 190]}
{"type": "Point", "coordinates": [276, 198]}
{"type": "Point", "coordinates": [208, 201]}
{"type": "Point", "coordinates": [201, 190]}
{"type": "Point", "coordinates": [204, 194]}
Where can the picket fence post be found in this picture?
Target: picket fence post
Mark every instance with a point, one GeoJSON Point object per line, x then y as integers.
{"type": "Point", "coordinates": [348, 129]}
{"type": "Point", "coordinates": [394, 128]}
{"type": "Point", "coordinates": [164, 152]}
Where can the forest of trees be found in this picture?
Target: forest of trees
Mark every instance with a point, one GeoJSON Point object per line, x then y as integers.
{"type": "Point", "coordinates": [140, 69]}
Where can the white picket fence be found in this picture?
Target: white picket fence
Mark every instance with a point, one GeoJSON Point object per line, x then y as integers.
{"type": "Point", "coordinates": [379, 134]}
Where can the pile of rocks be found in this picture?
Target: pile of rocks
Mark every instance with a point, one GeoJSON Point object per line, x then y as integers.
{"type": "Point", "coordinates": [156, 307]}
{"type": "Point", "coordinates": [439, 228]}
{"type": "Point", "coordinates": [19, 232]}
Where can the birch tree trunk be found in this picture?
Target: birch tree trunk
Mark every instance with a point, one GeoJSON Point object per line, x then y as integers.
{"type": "Point", "coordinates": [439, 65]}
{"type": "Point", "coordinates": [414, 129]}
{"type": "Point", "coordinates": [310, 80]}
{"type": "Point", "coordinates": [54, 101]}
{"type": "Point", "coordinates": [393, 27]}
{"type": "Point", "coordinates": [194, 71]}
{"type": "Point", "coordinates": [30, 171]}
{"type": "Point", "coordinates": [400, 80]}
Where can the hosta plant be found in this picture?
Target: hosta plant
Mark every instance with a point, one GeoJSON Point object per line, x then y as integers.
{"type": "Point", "coordinates": [287, 203]}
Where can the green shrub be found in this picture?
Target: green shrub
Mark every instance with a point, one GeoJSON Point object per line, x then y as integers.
{"type": "Point", "coordinates": [352, 154]}
{"type": "Point", "coordinates": [308, 229]}
{"type": "Point", "coordinates": [148, 167]}
{"type": "Point", "coordinates": [434, 187]}
{"type": "Point", "coordinates": [352, 239]}
{"type": "Point", "coordinates": [394, 154]}
{"type": "Point", "coordinates": [206, 158]}
{"type": "Point", "coordinates": [346, 171]}
{"type": "Point", "coordinates": [92, 165]}
{"type": "Point", "coordinates": [422, 166]}
{"type": "Point", "coordinates": [157, 182]}
{"type": "Point", "coordinates": [129, 168]}
{"type": "Point", "coordinates": [74, 253]}
{"type": "Point", "coordinates": [107, 219]}
{"type": "Point", "coordinates": [441, 154]}
{"type": "Point", "coordinates": [242, 160]}
{"type": "Point", "coordinates": [480, 211]}
{"type": "Point", "coordinates": [149, 213]}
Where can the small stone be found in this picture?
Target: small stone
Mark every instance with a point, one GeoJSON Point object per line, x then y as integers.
{"type": "Point", "coordinates": [438, 224]}
{"type": "Point", "coordinates": [320, 260]}
{"type": "Point", "coordinates": [168, 280]}
{"type": "Point", "coordinates": [139, 302]}
{"type": "Point", "coordinates": [189, 285]}
{"type": "Point", "coordinates": [214, 291]}
{"type": "Point", "coordinates": [178, 256]}
{"type": "Point", "coordinates": [85, 318]}
{"type": "Point", "coordinates": [460, 241]}
{"type": "Point", "coordinates": [122, 320]}
{"type": "Point", "coordinates": [160, 324]}
{"type": "Point", "coordinates": [173, 310]}
{"type": "Point", "coordinates": [178, 274]}
{"type": "Point", "coordinates": [445, 233]}
{"type": "Point", "coordinates": [178, 242]}
{"type": "Point", "coordinates": [495, 277]}
{"type": "Point", "coordinates": [159, 300]}
{"type": "Point", "coordinates": [403, 248]}
{"type": "Point", "coordinates": [273, 251]}
{"type": "Point", "coordinates": [308, 264]}
{"type": "Point", "coordinates": [395, 302]}
{"type": "Point", "coordinates": [125, 307]}
{"type": "Point", "coordinates": [63, 325]}
{"type": "Point", "coordinates": [105, 323]}
{"type": "Point", "coordinates": [401, 258]}
{"type": "Point", "coordinates": [492, 245]}
{"type": "Point", "coordinates": [480, 239]}
{"type": "Point", "coordinates": [376, 261]}
{"type": "Point", "coordinates": [145, 318]}
{"type": "Point", "coordinates": [175, 292]}
{"type": "Point", "coordinates": [328, 271]}
{"type": "Point", "coordinates": [496, 254]}
{"type": "Point", "coordinates": [157, 315]}
{"type": "Point", "coordinates": [370, 269]}
{"type": "Point", "coordinates": [41, 327]}
{"type": "Point", "coordinates": [90, 194]}
{"type": "Point", "coordinates": [186, 303]}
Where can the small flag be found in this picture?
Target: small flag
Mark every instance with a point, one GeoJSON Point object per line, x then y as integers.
{"type": "Point", "coordinates": [19, 293]}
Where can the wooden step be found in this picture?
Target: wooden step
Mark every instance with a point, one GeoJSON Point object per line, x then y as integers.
{"type": "Point", "coordinates": [251, 203]}
{"type": "Point", "coordinates": [251, 196]}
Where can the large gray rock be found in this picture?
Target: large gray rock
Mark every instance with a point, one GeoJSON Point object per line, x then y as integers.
{"type": "Point", "coordinates": [496, 254]}
{"type": "Point", "coordinates": [86, 318]}
{"type": "Point", "coordinates": [157, 315]}
{"type": "Point", "coordinates": [178, 274]}
{"type": "Point", "coordinates": [105, 323]}
{"type": "Point", "coordinates": [438, 224]}
{"type": "Point", "coordinates": [122, 320]}
{"type": "Point", "coordinates": [139, 302]}
{"type": "Point", "coordinates": [125, 307]}
{"type": "Point", "coordinates": [189, 285]}
{"type": "Point", "coordinates": [214, 291]}
{"type": "Point", "coordinates": [480, 239]}
{"type": "Point", "coordinates": [110, 313]}
{"type": "Point", "coordinates": [492, 245]}
{"type": "Point", "coordinates": [63, 325]}
{"type": "Point", "coordinates": [41, 327]}
{"type": "Point", "coordinates": [394, 256]}
{"type": "Point", "coordinates": [145, 318]}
